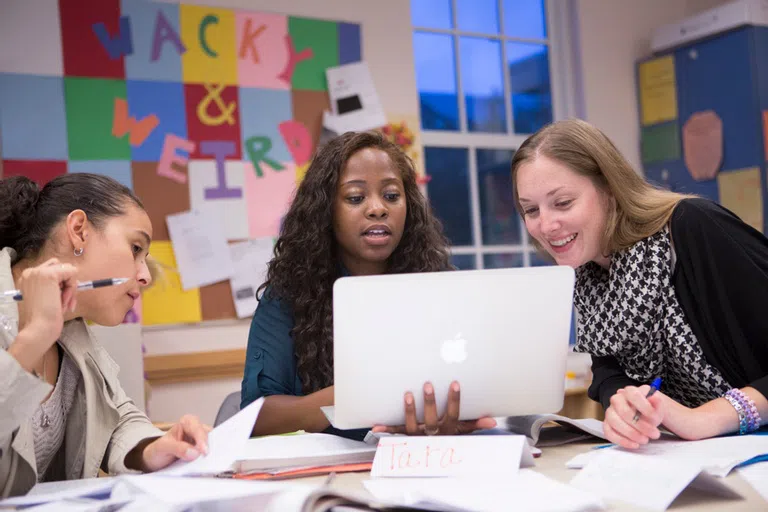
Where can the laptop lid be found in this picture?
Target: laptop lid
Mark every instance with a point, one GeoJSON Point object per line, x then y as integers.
{"type": "Point", "coordinates": [502, 333]}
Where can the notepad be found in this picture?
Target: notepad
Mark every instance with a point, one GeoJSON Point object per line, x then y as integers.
{"type": "Point", "coordinates": [567, 431]}
{"type": "Point", "coordinates": [301, 451]}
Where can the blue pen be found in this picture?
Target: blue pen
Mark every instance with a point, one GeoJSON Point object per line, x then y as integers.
{"type": "Point", "coordinates": [655, 385]}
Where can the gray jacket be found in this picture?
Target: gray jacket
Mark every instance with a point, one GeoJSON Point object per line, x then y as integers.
{"type": "Point", "coordinates": [102, 426]}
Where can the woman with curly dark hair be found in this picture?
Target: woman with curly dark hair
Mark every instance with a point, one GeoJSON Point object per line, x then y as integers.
{"type": "Point", "coordinates": [358, 211]}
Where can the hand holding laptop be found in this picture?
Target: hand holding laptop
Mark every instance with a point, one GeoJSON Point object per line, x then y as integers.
{"type": "Point", "coordinates": [433, 425]}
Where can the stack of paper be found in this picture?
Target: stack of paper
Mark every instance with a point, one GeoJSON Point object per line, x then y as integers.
{"type": "Point", "coordinates": [277, 454]}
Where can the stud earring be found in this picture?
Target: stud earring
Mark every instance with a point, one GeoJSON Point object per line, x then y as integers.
{"type": "Point", "coordinates": [79, 252]}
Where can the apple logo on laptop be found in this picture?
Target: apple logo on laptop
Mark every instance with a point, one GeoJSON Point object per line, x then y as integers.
{"type": "Point", "coordinates": [455, 350]}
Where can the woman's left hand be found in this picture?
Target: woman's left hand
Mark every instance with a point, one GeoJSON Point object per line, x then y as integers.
{"type": "Point", "coordinates": [433, 425]}
{"type": "Point", "coordinates": [186, 440]}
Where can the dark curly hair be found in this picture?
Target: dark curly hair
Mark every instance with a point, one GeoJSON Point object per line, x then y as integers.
{"type": "Point", "coordinates": [306, 264]}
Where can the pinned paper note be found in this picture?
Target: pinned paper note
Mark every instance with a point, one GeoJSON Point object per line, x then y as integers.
{"type": "Point", "coordinates": [201, 250]}
{"type": "Point", "coordinates": [658, 90]}
{"type": "Point", "coordinates": [444, 456]}
{"type": "Point", "coordinates": [250, 259]}
{"type": "Point", "coordinates": [742, 193]}
{"type": "Point", "coordinates": [660, 143]}
{"type": "Point", "coordinates": [703, 144]}
{"type": "Point", "coordinates": [165, 302]}
{"type": "Point", "coordinates": [650, 482]}
{"type": "Point", "coordinates": [355, 105]}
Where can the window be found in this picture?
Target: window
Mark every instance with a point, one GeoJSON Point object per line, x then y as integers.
{"type": "Point", "coordinates": [484, 71]}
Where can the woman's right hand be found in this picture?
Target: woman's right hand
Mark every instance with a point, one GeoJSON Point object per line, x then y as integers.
{"type": "Point", "coordinates": [48, 291]}
{"type": "Point", "coordinates": [619, 424]}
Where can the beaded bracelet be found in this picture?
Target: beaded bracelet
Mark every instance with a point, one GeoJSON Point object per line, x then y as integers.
{"type": "Point", "coordinates": [749, 418]}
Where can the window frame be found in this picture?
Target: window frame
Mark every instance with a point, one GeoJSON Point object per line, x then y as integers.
{"type": "Point", "coordinates": [565, 90]}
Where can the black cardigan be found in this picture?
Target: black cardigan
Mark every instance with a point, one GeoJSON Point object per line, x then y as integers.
{"type": "Point", "coordinates": [721, 281]}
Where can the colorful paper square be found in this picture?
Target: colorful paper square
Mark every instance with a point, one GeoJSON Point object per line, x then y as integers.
{"type": "Point", "coordinates": [119, 170]}
{"type": "Point", "coordinates": [262, 49]}
{"type": "Point", "coordinates": [211, 55]}
{"type": "Point", "coordinates": [41, 171]}
{"type": "Point", "coordinates": [322, 38]}
{"type": "Point", "coordinates": [267, 108]}
{"type": "Point", "coordinates": [213, 113]}
{"type": "Point", "coordinates": [157, 44]}
{"type": "Point", "coordinates": [90, 104]}
{"type": "Point", "coordinates": [85, 55]}
{"type": "Point", "coordinates": [33, 123]}
{"type": "Point", "coordinates": [33, 52]}
{"type": "Point", "coordinates": [164, 100]}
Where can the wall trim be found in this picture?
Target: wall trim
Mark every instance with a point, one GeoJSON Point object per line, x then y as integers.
{"type": "Point", "coordinates": [194, 366]}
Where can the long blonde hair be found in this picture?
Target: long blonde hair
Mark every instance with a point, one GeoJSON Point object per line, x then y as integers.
{"type": "Point", "coordinates": [637, 209]}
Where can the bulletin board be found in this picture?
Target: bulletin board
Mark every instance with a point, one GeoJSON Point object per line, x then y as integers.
{"type": "Point", "coordinates": [187, 105]}
{"type": "Point", "coordinates": [704, 120]}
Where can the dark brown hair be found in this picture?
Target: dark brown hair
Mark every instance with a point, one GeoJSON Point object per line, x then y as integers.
{"type": "Point", "coordinates": [29, 213]}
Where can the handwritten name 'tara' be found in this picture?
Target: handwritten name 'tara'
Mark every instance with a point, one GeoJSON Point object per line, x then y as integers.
{"type": "Point", "coordinates": [402, 456]}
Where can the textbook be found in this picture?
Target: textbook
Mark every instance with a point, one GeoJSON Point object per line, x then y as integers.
{"type": "Point", "coordinates": [567, 430]}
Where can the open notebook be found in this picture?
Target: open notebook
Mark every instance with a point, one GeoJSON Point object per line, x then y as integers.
{"type": "Point", "coordinates": [567, 430]}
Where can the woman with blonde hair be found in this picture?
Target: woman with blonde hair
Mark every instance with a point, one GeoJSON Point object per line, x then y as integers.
{"type": "Point", "coordinates": [667, 285]}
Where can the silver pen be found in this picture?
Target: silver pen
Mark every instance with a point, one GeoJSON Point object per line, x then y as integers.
{"type": "Point", "coordinates": [15, 295]}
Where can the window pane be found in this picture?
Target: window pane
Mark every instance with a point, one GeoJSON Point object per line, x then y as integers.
{"type": "Point", "coordinates": [431, 13]}
{"type": "Point", "coordinates": [525, 18]}
{"type": "Point", "coordinates": [539, 260]}
{"type": "Point", "coordinates": [529, 81]}
{"type": "Point", "coordinates": [498, 216]}
{"type": "Point", "coordinates": [436, 81]}
{"type": "Point", "coordinates": [483, 84]}
{"type": "Point", "coordinates": [464, 261]}
{"type": "Point", "coordinates": [478, 16]}
{"type": "Point", "coordinates": [448, 191]}
{"type": "Point", "coordinates": [511, 260]}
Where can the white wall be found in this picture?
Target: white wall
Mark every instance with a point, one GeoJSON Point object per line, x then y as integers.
{"type": "Point", "coordinates": [613, 34]}
{"type": "Point", "coordinates": [388, 49]}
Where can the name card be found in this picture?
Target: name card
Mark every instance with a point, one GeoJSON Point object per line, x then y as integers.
{"type": "Point", "coordinates": [443, 456]}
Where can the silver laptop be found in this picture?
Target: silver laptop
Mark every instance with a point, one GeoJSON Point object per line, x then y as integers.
{"type": "Point", "coordinates": [502, 333]}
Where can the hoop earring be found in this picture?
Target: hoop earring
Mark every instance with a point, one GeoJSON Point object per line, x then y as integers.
{"type": "Point", "coordinates": [79, 252]}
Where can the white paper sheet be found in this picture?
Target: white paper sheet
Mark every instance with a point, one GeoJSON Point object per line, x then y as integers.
{"type": "Point", "coordinates": [200, 248]}
{"type": "Point", "coordinates": [757, 476]}
{"type": "Point", "coordinates": [650, 482]}
{"type": "Point", "coordinates": [528, 490]}
{"type": "Point", "coordinates": [718, 456]}
{"type": "Point", "coordinates": [225, 445]}
{"type": "Point", "coordinates": [56, 491]}
{"type": "Point", "coordinates": [250, 259]}
{"type": "Point", "coordinates": [170, 490]}
{"type": "Point", "coordinates": [355, 105]}
{"type": "Point", "coordinates": [304, 450]}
